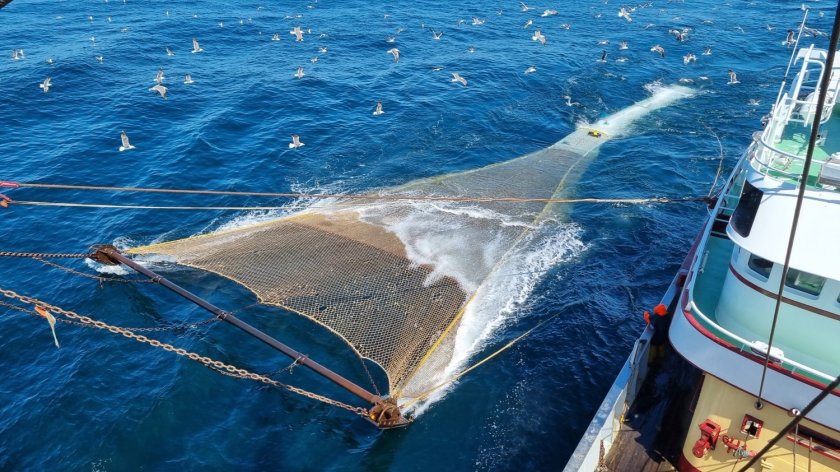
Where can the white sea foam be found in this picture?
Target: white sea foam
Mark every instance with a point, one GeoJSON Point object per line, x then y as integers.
{"type": "Point", "coordinates": [507, 290]}
{"type": "Point", "coordinates": [619, 123]}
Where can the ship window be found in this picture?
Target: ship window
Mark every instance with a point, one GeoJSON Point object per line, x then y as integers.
{"type": "Point", "coordinates": [760, 265]}
{"type": "Point", "coordinates": [808, 283]}
{"type": "Point", "coordinates": [744, 215]}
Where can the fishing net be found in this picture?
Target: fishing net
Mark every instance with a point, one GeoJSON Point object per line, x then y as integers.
{"type": "Point", "coordinates": [393, 277]}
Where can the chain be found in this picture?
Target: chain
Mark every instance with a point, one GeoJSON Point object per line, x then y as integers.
{"type": "Point", "coordinates": [219, 366]}
{"type": "Point", "coordinates": [46, 255]}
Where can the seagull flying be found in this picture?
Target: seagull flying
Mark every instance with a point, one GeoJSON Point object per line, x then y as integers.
{"type": "Point", "coordinates": [396, 53]}
{"type": "Point", "coordinates": [275, 37]}
{"type": "Point", "coordinates": [477, 21]}
{"type": "Point", "coordinates": [159, 89]}
{"type": "Point", "coordinates": [298, 33]}
{"type": "Point", "coordinates": [188, 79]}
{"type": "Point", "coordinates": [125, 144]}
{"type": "Point", "coordinates": [523, 7]}
{"type": "Point", "coordinates": [159, 76]}
{"type": "Point", "coordinates": [295, 142]}
{"type": "Point", "coordinates": [46, 84]}
{"type": "Point", "coordinates": [378, 110]}
{"type": "Point", "coordinates": [528, 23]}
{"type": "Point", "coordinates": [196, 48]}
{"type": "Point", "coordinates": [622, 45]}
{"type": "Point", "coordinates": [659, 50]}
{"type": "Point", "coordinates": [169, 52]}
{"type": "Point", "coordinates": [299, 74]}
{"type": "Point", "coordinates": [456, 77]}
{"type": "Point", "coordinates": [530, 70]}
{"type": "Point", "coordinates": [623, 13]}
{"type": "Point", "coordinates": [690, 57]}
{"type": "Point", "coordinates": [437, 35]}
{"type": "Point", "coordinates": [549, 12]}
{"type": "Point", "coordinates": [538, 36]}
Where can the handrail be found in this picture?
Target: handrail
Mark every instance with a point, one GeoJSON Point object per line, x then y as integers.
{"type": "Point", "coordinates": [747, 345]}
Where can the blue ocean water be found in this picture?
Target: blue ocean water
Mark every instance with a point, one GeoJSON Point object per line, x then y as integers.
{"type": "Point", "coordinates": [103, 402]}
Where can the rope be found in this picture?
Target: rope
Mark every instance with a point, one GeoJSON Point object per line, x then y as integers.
{"type": "Point", "coordinates": [309, 195]}
{"type": "Point", "coordinates": [633, 201]}
{"type": "Point", "coordinates": [425, 394]}
{"type": "Point", "coordinates": [219, 366]}
{"type": "Point", "coordinates": [91, 276]}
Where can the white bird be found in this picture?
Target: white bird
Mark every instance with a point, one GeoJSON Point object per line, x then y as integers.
{"type": "Point", "coordinates": [477, 21]}
{"type": "Point", "coordinates": [169, 52]}
{"type": "Point", "coordinates": [690, 57]}
{"type": "Point", "coordinates": [46, 84]}
{"type": "Point", "coordinates": [733, 78]}
{"type": "Point", "coordinates": [678, 35]}
{"type": "Point", "coordinates": [378, 110]}
{"type": "Point", "coordinates": [159, 76]}
{"type": "Point", "coordinates": [196, 48]}
{"type": "Point", "coordinates": [549, 12]}
{"type": "Point", "coordinates": [659, 50]}
{"type": "Point", "coordinates": [530, 70]}
{"type": "Point", "coordinates": [125, 144]}
{"type": "Point", "coordinates": [90, 18]}
{"type": "Point", "coordinates": [298, 33]}
{"type": "Point", "coordinates": [295, 142]}
{"type": "Point", "coordinates": [437, 36]}
{"type": "Point", "coordinates": [471, 49]}
{"type": "Point", "coordinates": [707, 51]}
{"type": "Point", "coordinates": [538, 36]}
{"type": "Point", "coordinates": [322, 50]}
{"type": "Point", "coordinates": [299, 74]}
{"type": "Point", "coordinates": [314, 59]}
{"type": "Point", "coordinates": [93, 40]}
{"type": "Point", "coordinates": [523, 7]}
{"type": "Point", "coordinates": [159, 89]}
{"type": "Point", "coordinates": [565, 26]}
{"type": "Point", "coordinates": [622, 45]}
{"type": "Point", "coordinates": [456, 77]}
{"type": "Point", "coordinates": [396, 53]}
{"type": "Point", "coordinates": [221, 24]}
{"type": "Point", "coordinates": [275, 37]}
{"type": "Point", "coordinates": [528, 23]}
{"type": "Point", "coordinates": [49, 60]}
{"type": "Point", "coordinates": [188, 79]}
{"type": "Point", "coordinates": [623, 13]}
{"type": "Point", "coordinates": [100, 58]}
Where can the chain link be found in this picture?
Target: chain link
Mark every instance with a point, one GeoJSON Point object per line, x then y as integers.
{"type": "Point", "coordinates": [219, 366]}
{"type": "Point", "coordinates": [46, 255]}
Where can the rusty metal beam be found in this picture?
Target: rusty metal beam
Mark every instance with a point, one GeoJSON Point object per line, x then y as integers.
{"type": "Point", "coordinates": [110, 255]}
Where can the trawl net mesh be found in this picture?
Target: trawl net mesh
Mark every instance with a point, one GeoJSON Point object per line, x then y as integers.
{"type": "Point", "coordinates": [392, 278]}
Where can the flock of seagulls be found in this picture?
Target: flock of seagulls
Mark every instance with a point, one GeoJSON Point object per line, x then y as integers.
{"type": "Point", "coordinates": [626, 13]}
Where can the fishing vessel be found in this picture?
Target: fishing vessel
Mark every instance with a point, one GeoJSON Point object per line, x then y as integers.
{"type": "Point", "coordinates": [753, 315]}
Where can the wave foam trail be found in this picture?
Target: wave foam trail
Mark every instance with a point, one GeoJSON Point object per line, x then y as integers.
{"type": "Point", "coordinates": [506, 292]}
{"type": "Point", "coordinates": [618, 123]}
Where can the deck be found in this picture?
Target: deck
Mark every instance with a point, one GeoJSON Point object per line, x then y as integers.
{"type": "Point", "coordinates": [652, 435]}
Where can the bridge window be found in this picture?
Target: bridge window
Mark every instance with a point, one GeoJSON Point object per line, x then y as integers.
{"type": "Point", "coordinates": [760, 266]}
{"type": "Point", "coordinates": [805, 282]}
{"type": "Point", "coordinates": [744, 215]}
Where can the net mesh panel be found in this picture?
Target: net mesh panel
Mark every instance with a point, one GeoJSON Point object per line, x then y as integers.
{"type": "Point", "coordinates": [363, 268]}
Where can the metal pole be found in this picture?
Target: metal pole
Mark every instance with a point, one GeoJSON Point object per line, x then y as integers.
{"type": "Point", "coordinates": [114, 255]}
